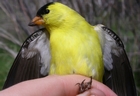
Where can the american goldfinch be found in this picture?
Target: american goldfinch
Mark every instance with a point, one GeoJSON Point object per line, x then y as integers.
{"type": "Point", "coordinates": [70, 45]}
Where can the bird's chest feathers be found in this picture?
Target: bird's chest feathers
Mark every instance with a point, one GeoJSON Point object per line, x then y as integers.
{"type": "Point", "coordinates": [73, 52]}
{"type": "Point", "coordinates": [65, 46]}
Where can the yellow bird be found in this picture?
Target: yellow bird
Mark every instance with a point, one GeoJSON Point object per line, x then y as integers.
{"type": "Point", "coordinates": [70, 45]}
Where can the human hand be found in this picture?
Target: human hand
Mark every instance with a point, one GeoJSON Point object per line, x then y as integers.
{"type": "Point", "coordinates": [55, 85]}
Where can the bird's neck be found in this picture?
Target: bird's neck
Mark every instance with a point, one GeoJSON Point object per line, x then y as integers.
{"type": "Point", "coordinates": [67, 23]}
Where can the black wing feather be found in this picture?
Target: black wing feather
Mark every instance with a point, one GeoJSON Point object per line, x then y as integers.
{"type": "Point", "coordinates": [25, 68]}
{"type": "Point", "coordinates": [120, 78]}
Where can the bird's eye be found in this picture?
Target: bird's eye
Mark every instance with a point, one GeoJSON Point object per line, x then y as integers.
{"type": "Point", "coordinates": [46, 11]}
{"type": "Point", "coordinates": [42, 11]}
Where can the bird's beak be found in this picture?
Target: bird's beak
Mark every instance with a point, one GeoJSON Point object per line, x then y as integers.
{"type": "Point", "coordinates": [36, 21]}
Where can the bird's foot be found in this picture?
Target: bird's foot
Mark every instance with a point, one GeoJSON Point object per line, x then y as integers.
{"type": "Point", "coordinates": [84, 86]}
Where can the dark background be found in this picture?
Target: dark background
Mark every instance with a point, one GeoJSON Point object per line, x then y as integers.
{"type": "Point", "coordinates": [122, 16]}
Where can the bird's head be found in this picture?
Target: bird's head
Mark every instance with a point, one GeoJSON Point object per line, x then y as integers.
{"type": "Point", "coordinates": [53, 14]}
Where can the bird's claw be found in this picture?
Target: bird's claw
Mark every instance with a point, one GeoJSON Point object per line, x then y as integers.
{"type": "Point", "coordinates": [84, 86]}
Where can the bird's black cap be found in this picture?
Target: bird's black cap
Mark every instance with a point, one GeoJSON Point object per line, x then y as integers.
{"type": "Point", "coordinates": [43, 10]}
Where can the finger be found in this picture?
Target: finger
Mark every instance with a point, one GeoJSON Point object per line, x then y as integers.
{"type": "Point", "coordinates": [72, 90]}
{"type": "Point", "coordinates": [96, 92]}
{"type": "Point", "coordinates": [107, 91]}
{"type": "Point", "coordinates": [92, 92]}
{"type": "Point", "coordinates": [86, 93]}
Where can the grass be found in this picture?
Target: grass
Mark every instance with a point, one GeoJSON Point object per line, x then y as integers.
{"type": "Point", "coordinates": [5, 63]}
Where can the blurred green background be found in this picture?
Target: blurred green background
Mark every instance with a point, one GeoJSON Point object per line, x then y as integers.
{"type": "Point", "coordinates": [122, 16]}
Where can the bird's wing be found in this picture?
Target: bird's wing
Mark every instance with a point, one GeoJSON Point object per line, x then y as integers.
{"type": "Point", "coordinates": [32, 61]}
{"type": "Point", "coordinates": [118, 73]}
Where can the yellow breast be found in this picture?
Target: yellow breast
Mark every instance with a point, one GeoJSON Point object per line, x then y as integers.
{"type": "Point", "coordinates": [76, 52]}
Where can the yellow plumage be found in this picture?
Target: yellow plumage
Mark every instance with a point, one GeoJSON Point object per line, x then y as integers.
{"type": "Point", "coordinates": [74, 44]}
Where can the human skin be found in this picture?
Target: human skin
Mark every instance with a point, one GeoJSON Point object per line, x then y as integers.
{"type": "Point", "coordinates": [55, 85]}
